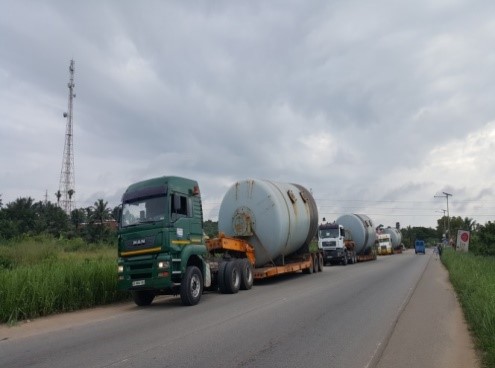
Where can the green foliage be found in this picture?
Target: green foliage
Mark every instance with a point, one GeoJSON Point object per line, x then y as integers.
{"type": "Point", "coordinates": [483, 240]}
{"type": "Point", "coordinates": [210, 228]}
{"type": "Point", "coordinates": [78, 217]}
{"type": "Point", "coordinates": [410, 234]}
{"type": "Point", "coordinates": [25, 217]}
{"type": "Point", "coordinates": [56, 286]}
{"type": "Point", "coordinates": [43, 275]}
{"type": "Point", "coordinates": [473, 278]}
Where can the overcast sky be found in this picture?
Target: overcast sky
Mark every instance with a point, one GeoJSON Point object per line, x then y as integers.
{"type": "Point", "coordinates": [376, 106]}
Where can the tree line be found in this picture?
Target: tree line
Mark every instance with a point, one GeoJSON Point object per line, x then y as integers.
{"type": "Point", "coordinates": [26, 217]}
{"type": "Point", "coordinates": [482, 239]}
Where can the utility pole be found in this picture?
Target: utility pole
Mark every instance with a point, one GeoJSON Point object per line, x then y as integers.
{"type": "Point", "coordinates": [444, 227]}
{"type": "Point", "coordinates": [67, 181]}
{"type": "Point", "coordinates": [446, 195]}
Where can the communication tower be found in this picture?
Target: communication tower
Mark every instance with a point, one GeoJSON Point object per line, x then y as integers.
{"type": "Point", "coordinates": [66, 191]}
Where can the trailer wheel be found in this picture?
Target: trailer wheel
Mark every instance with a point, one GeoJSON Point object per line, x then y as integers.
{"type": "Point", "coordinates": [143, 298]}
{"type": "Point", "coordinates": [246, 274]}
{"type": "Point", "coordinates": [320, 263]}
{"type": "Point", "coordinates": [232, 277]}
{"type": "Point", "coordinates": [191, 287]}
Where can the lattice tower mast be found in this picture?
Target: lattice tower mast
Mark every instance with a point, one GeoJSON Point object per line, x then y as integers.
{"type": "Point", "coordinates": [67, 179]}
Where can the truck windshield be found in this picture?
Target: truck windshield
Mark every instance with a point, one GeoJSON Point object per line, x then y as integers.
{"type": "Point", "coordinates": [142, 210]}
{"type": "Point", "coordinates": [329, 233]}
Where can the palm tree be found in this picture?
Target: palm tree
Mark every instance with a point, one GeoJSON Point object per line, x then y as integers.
{"type": "Point", "coordinates": [101, 212]}
{"type": "Point", "coordinates": [58, 195]}
{"type": "Point", "coordinates": [469, 224]}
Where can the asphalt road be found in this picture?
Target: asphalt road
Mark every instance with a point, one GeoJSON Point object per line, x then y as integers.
{"type": "Point", "coordinates": [342, 317]}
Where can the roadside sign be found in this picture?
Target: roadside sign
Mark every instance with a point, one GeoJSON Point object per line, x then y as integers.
{"type": "Point", "coordinates": [462, 240]}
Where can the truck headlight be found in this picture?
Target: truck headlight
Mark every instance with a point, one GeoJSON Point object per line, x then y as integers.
{"type": "Point", "coordinates": [120, 269]}
{"type": "Point", "coordinates": [163, 265]}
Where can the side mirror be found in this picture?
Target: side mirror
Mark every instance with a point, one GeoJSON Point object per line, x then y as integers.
{"type": "Point", "coordinates": [119, 214]}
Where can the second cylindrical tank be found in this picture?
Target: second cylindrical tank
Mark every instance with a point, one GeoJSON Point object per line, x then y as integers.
{"type": "Point", "coordinates": [362, 230]}
{"type": "Point", "coordinates": [276, 218]}
{"type": "Point", "coordinates": [395, 236]}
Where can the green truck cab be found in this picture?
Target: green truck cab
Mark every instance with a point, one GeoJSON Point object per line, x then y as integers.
{"type": "Point", "coordinates": [160, 241]}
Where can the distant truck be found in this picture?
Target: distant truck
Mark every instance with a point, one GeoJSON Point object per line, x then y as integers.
{"type": "Point", "coordinates": [337, 244]}
{"type": "Point", "coordinates": [395, 238]}
{"type": "Point", "coordinates": [384, 244]}
{"type": "Point", "coordinates": [354, 240]}
{"type": "Point", "coordinates": [266, 229]}
{"type": "Point", "coordinates": [419, 247]}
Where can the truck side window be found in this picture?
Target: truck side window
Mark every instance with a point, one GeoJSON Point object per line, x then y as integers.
{"type": "Point", "coordinates": [179, 205]}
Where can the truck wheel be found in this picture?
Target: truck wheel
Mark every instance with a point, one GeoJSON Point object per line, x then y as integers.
{"type": "Point", "coordinates": [246, 274]}
{"type": "Point", "coordinates": [320, 263]}
{"type": "Point", "coordinates": [315, 263]}
{"type": "Point", "coordinates": [221, 277]}
{"type": "Point", "coordinates": [232, 277]}
{"type": "Point", "coordinates": [143, 298]}
{"type": "Point", "coordinates": [344, 261]}
{"type": "Point", "coordinates": [191, 287]}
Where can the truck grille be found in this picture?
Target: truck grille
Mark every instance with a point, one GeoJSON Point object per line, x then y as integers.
{"type": "Point", "coordinates": [141, 271]}
{"type": "Point", "coordinates": [332, 243]}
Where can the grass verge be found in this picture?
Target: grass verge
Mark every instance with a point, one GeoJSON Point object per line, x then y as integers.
{"type": "Point", "coordinates": [38, 278]}
{"type": "Point", "coordinates": [473, 278]}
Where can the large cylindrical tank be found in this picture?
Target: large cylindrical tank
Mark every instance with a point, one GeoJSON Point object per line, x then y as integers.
{"type": "Point", "coordinates": [395, 236]}
{"type": "Point", "coordinates": [362, 230]}
{"type": "Point", "coordinates": [276, 218]}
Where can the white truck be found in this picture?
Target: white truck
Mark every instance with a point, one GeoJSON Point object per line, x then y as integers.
{"type": "Point", "coordinates": [384, 244]}
{"type": "Point", "coordinates": [337, 244]}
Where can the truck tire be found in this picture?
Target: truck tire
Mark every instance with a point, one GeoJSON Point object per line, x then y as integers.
{"type": "Point", "coordinates": [143, 298]}
{"type": "Point", "coordinates": [191, 287]}
{"type": "Point", "coordinates": [232, 277]}
{"type": "Point", "coordinates": [344, 261]}
{"type": "Point", "coordinates": [221, 277]}
{"type": "Point", "coordinates": [315, 263]}
{"type": "Point", "coordinates": [320, 263]}
{"type": "Point", "coordinates": [246, 274]}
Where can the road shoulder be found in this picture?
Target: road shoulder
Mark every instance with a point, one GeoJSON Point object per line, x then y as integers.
{"type": "Point", "coordinates": [431, 331]}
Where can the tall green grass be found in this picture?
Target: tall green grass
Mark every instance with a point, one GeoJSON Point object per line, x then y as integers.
{"type": "Point", "coordinates": [473, 278]}
{"type": "Point", "coordinates": [39, 277]}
